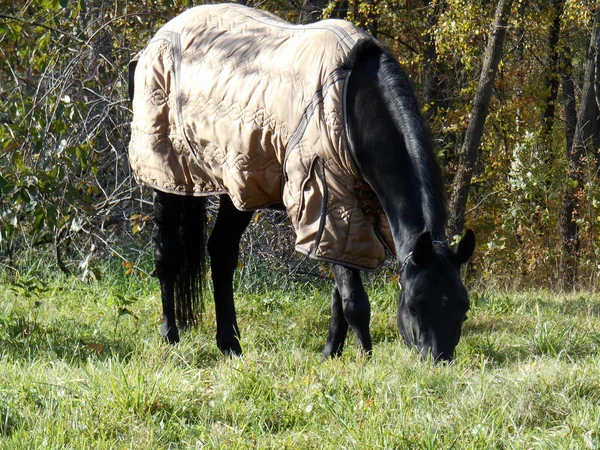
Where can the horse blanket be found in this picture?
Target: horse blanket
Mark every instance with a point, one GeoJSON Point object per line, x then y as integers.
{"type": "Point", "coordinates": [230, 99]}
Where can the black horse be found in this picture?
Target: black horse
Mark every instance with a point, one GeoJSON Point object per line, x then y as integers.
{"type": "Point", "coordinates": [389, 144]}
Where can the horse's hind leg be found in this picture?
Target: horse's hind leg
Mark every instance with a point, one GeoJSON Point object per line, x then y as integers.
{"type": "Point", "coordinates": [350, 307]}
{"type": "Point", "coordinates": [223, 248]}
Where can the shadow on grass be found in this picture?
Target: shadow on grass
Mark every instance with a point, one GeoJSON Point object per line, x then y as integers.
{"type": "Point", "coordinates": [498, 355]}
{"type": "Point", "coordinates": [76, 342]}
{"type": "Point", "coordinates": [581, 306]}
{"type": "Point", "coordinates": [512, 324]}
{"type": "Point", "coordinates": [70, 340]}
{"type": "Point", "coordinates": [586, 307]}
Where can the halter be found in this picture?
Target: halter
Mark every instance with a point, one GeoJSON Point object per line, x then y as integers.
{"type": "Point", "coordinates": [407, 258]}
{"type": "Point", "coordinates": [405, 262]}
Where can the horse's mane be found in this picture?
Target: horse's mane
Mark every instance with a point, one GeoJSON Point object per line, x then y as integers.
{"type": "Point", "coordinates": [398, 95]}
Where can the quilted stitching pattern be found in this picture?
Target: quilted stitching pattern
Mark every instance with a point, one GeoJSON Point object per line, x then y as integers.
{"type": "Point", "coordinates": [233, 100]}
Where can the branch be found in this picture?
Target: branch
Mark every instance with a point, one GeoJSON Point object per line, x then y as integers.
{"type": "Point", "coordinates": [116, 253]}
{"type": "Point", "coordinates": [46, 27]}
{"type": "Point", "coordinates": [399, 41]}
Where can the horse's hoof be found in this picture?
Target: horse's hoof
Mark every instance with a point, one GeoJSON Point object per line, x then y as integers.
{"type": "Point", "coordinates": [230, 353]}
{"type": "Point", "coordinates": [171, 334]}
{"type": "Point", "coordinates": [231, 348]}
{"type": "Point", "coordinates": [330, 353]}
{"type": "Point", "coordinates": [367, 354]}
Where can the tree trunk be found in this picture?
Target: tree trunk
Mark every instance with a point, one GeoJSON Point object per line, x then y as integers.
{"type": "Point", "coordinates": [545, 149]}
{"type": "Point", "coordinates": [431, 76]}
{"type": "Point", "coordinates": [587, 132]}
{"type": "Point", "coordinates": [568, 226]}
{"type": "Point", "coordinates": [581, 136]}
{"type": "Point", "coordinates": [479, 110]}
{"type": "Point", "coordinates": [519, 121]}
{"type": "Point", "coordinates": [373, 19]}
{"type": "Point", "coordinates": [597, 69]}
{"type": "Point", "coordinates": [552, 76]}
{"type": "Point", "coordinates": [341, 10]}
{"type": "Point", "coordinates": [311, 11]}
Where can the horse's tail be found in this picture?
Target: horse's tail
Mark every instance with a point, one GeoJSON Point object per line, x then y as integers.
{"type": "Point", "coordinates": [191, 276]}
{"type": "Point", "coordinates": [181, 255]}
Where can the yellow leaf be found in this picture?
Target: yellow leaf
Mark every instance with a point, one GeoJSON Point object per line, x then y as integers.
{"type": "Point", "coordinates": [95, 347]}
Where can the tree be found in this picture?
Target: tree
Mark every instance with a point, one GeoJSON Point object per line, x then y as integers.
{"type": "Point", "coordinates": [534, 199]}
{"type": "Point", "coordinates": [479, 111]}
{"type": "Point", "coordinates": [552, 75]}
{"type": "Point", "coordinates": [432, 83]}
{"type": "Point", "coordinates": [63, 170]}
{"type": "Point", "coordinates": [582, 132]}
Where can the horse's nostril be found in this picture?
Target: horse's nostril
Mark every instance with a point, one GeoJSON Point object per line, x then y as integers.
{"type": "Point", "coordinates": [445, 358]}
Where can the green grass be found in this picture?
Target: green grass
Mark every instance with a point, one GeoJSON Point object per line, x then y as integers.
{"type": "Point", "coordinates": [82, 366]}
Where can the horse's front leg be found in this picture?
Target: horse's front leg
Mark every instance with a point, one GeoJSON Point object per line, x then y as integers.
{"type": "Point", "coordinates": [223, 248]}
{"type": "Point", "coordinates": [350, 307]}
{"type": "Point", "coordinates": [338, 328]}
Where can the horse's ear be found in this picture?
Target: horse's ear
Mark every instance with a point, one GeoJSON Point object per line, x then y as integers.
{"type": "Point", "coordinates": [465, 248]}
{"type": "Point", "coordinates": [423, 249]}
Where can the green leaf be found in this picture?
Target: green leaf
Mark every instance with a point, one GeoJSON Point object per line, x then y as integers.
{"type": "Point", "coordinates": [52, 216]}
{"type": "Point", "coordinates": [60, 111]}
{"type": "Point", "coordinates": [39, 221]}
{"type": "Point", "coordinates": [44, 42]}
{"type": "Point", "coordinates": [126, 312]}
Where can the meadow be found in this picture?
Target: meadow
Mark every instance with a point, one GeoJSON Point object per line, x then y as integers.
{"type": "Point", "coordinates": [82, 367]}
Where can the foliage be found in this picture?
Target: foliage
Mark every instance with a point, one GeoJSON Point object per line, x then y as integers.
{"type": "Point", "coordinates": [67, 197]}
{"type": "Point", "coordinates": [77, 372]}
{"type": "Point", "coordinates": [63, 170]}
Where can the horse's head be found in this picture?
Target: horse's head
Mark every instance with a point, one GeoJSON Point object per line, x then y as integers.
{"type": "Point", "coordinates": [433, 303]}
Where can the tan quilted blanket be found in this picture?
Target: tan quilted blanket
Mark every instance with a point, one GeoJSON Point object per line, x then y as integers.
{"type": "Point", "coordinates": [229, 99]}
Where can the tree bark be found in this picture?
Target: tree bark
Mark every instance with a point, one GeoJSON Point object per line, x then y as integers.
{"type": "Point", "coordinates": [568, 226]}
{"type": "Point", "coordinates": [520, 77]}
{"type": "Point", "coordinates": [552, 76]}
{"type": "Point", "coordinates": [479, 111]}
{"type": "Point", "coordinates": [597, 70]}
{"type": "Point", "coordinates": [582, 133]}
{"type": "Point", "coordinates": [587, 131]}
{"type": "Point", "coordinates": [311, 11]}
{"type": "Point", "coordinates": [341, 10]}
{"type": "Point", "coordinates": [432, 84]}
{"type": "Point", "coordinates": [373, 19]}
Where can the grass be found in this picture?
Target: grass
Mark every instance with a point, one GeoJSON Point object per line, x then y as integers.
{"type": "Point", "coordinates": [82, 367]}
